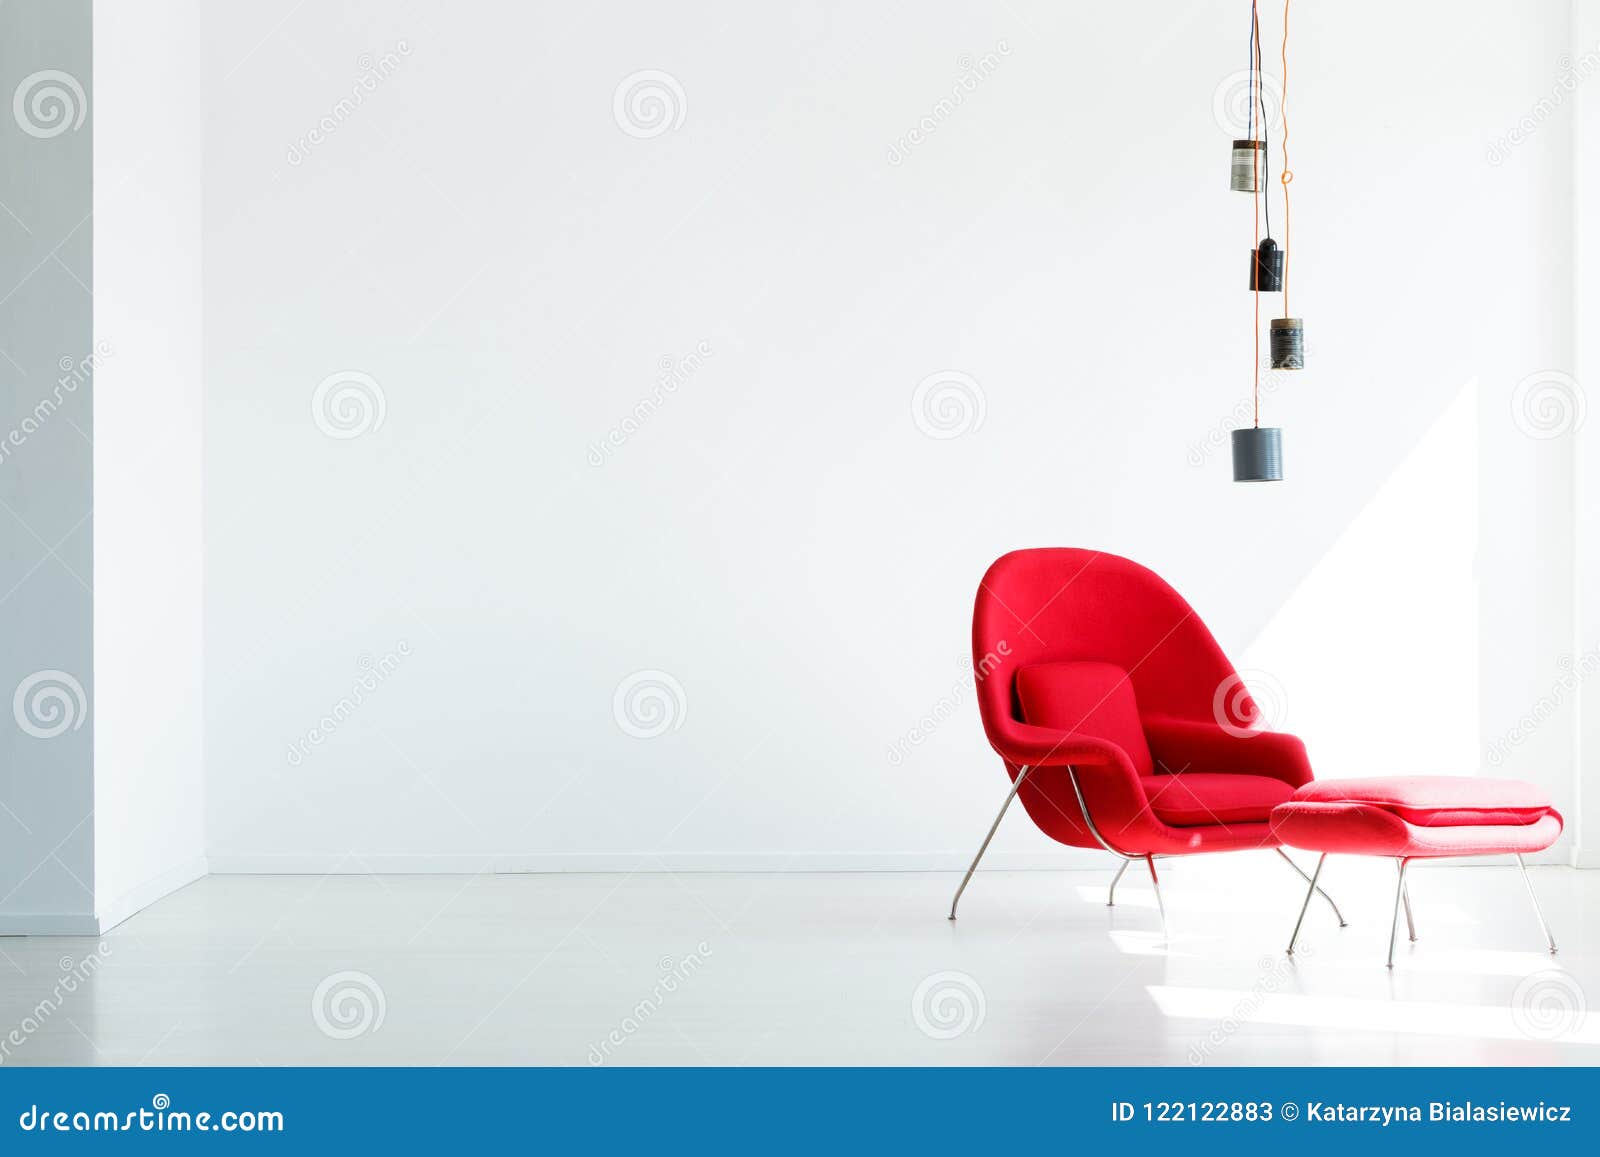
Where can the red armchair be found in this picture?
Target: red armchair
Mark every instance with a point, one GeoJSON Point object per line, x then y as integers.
{"type": "Point", "coordinates": [1121, 723]}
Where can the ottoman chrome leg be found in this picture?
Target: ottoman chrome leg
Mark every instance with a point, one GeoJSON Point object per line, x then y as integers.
{"type": "Point", "coordinates": [1411, 925]}
{"type": "Point", "coordinates": [1288, 860]}
{"type": "Point", "coordinates": [1111, 896]}
{"type": "Point", "coordinates": [1394, 917]}
{"type": "Point", "coordinates": [1536, 911]}
{"type": "Point", "coordinates": [1295, 935]}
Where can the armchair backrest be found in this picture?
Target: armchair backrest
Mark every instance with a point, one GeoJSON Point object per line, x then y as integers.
{"type": "Point", "coordinates": [1062, 604]}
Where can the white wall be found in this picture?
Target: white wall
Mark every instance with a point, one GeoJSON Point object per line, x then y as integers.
{"type": "Point", "coordinates": [1584, 126]}
{"type": "Point", "coordinates": [149, 792]}
{"type": "Point", "coordinates": [470, 244]}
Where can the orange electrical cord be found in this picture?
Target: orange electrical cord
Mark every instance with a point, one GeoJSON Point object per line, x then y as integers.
{"type": "Point", "coordinates": [1287, 174]}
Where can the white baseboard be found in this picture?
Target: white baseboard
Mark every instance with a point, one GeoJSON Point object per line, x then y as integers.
{"type": "Point", "coordinates": [1046, 860]}
{"type": "Point", "coordinates": [119, 908]}
{"type": "Point", "coordinates": [644, 863]}
{"type": "Point", "coordinates": [249, 863]}
{"type": "Point", "coordinates": [347, 864]}
{"type": "Point", "coordinates": [1064, 859]}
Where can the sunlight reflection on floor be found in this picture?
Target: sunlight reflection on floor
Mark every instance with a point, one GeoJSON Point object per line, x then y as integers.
{"type": "Point", "coordinates": [1432, 1018]}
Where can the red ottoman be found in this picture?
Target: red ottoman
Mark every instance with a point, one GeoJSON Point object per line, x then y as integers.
{"type": "Point", "coordinates": [1416, 818]}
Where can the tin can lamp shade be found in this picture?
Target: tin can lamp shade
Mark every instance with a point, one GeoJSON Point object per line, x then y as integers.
{"type": "Point", "coordinates": [1288, 343]}
{"type": "Point", "coordinates": [1246, 166]}
{"type": "Point", "coordinates": [1258, 454]}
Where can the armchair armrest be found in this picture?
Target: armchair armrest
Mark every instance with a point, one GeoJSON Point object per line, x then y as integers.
{"type": "Point", "coordinates": [1199, 745]}
{"type": "Point", "coordinates": [1051, 747]}
{"type": "Point", "coordinates": [1098, 762]}
{"type": "Point", "coordinates": [1111, 788]}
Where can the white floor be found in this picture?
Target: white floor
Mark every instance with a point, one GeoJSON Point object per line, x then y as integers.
{"type": "Point", "coordinates": [818, 969]}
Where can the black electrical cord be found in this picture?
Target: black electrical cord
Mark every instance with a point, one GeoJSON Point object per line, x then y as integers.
{"type": "Point", "coordinates": [1261, 95]}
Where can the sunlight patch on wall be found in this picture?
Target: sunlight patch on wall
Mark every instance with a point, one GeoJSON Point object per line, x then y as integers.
{"type": "Point", "coordinates": [1373, 660]}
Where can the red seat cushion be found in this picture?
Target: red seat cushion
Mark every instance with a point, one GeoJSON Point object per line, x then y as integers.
{"type": "Point", "coordinates": [1437, 801]}
{"type": "Point", "coordinates": [1094, 699]}
{"type": "Point", "coordinates": [1197, 798]}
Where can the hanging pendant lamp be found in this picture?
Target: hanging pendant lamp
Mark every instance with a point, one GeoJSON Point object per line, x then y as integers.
{"type": "Point", "coordinates": [1266, 267]}
{"type": "Point", "coordinates": [1245, 166]}
{"type": "Point", "coordinates": [1258, 449]}
{"type": "Point", "coordinates": [1288, 343]}
{"type": "Point", "coordinates": [1258, 454]}
{"type": "Point", "coordinates": [1288, 334]}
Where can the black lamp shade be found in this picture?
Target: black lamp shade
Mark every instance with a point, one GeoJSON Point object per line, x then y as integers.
{"type": "Point", "coordinates": [1258, 454]}
{"type": "Point", "coordinates": [1266, 267]}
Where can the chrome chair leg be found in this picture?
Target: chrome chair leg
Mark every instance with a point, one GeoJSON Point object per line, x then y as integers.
{"type": "Point", "coordinates": [1083, 809]}
{"type": "Point", "coordinates": [1394, 917]}
{"type": "Point", "coordinates": [984, 847]}
{"type": "Point", "coordinates": [1156, 880]}
{"type": "Point", "coordinates": [1311, 888]}
{"type": "Point", "coordinates": [1111, 895]}
{"type": "Point", "coordinates": [1411, 925]}
{"type": "Point", "coordinates": [1337, 914]}
{"type": "Point", "coordinates": [1536, 910]}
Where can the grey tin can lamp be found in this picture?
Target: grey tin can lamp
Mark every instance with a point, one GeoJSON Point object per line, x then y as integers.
{"type": "Point", "coordinates": [1258, 454]}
